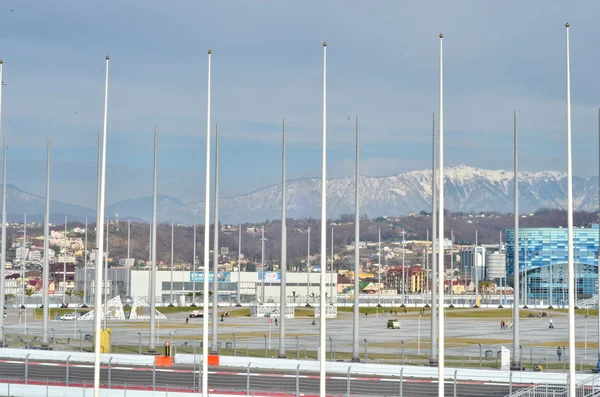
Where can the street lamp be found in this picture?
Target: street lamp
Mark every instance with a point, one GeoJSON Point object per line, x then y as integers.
{"type": "Point", "coordinates": [262, 266]}
{"type": "Point", "coordinates": [418, 337]}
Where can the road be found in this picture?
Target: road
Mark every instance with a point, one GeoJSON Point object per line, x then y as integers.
{"type": "Point", "coordinates": [231, 380]}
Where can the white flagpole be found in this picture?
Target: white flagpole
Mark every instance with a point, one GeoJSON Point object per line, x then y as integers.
{"type": "Point", "coordinates": [322, 302]}
{"type": "Point", "coordinates": [206, 246]}
{"type": "Point", "coordinates": [571, 271]}
{"type": "Point", "coordinates": [100, 248]}
{"type": "Point", "coordinates": [440, 261]}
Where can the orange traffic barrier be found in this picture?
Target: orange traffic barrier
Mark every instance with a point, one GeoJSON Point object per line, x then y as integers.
{"type": "Point", "coordinates": [163, 361]}
{"type": "Point", "coordinates": [213, 360]}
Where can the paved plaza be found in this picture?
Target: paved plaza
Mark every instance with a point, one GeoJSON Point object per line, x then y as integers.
{"type": "Point", "coordinates": [463, 336]}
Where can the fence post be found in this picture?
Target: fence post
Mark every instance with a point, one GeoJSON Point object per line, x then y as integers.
{"type": "Point", "coordinates": [266, 351]}
{"type": "Point", "coordinates": [298, 381]}
{"type": "Point", "coordinates": [366, 349]}
{"type": "Point", "coordinates": [140, 343]}
{"type": "Point", "coordinates": [480, 358]}
{"type": "Point", "coordinates": [67, 377]}
{"type": "Point", "coordinates": [402, 351]}
{"type": "Point", "coordinates": [510, 383]}
{"type": "Point", "coordinates": [455, 371]}
{"type": "Point", "coordinates": [27, 334]}
{"type": "Point", "coordinates": [109, 371]}
{"type": "Point", "coordinates": [194, 369]}
{"type": "Point", "coordinates": [27, 368]}
{"type": "Point", "coordinates": [80, 341]}
{"type": "Point", "coordinates": [348, 382]}
{"type": "Point", "coordinates": [153, 375]}
{"type": "Point", "coordinates": [234, 345]}
{"type": "Point", "coordinates": [330, 349]}
{"type": "Point", "coordinates": [531, 358]}
{"type": "Point", "coordinates": [401, 382]}
{"type": "Point", "coordinates": [297, 348]}
{"type": "Point", "coordinates": [248, 380]}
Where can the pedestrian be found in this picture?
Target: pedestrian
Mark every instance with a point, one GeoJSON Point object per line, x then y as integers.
{"type": "Point", "coordinates": [276, 322]}
{"type": "Point", "coordinates": [501, 324]}
{"type": "Point", "coordinates": [559, 352]}
{"type": "Point", "coordinates": [551, 326]}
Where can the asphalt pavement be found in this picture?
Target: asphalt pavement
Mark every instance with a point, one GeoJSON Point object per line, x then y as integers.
{"type": "Point", "coordinates": [232, 380]}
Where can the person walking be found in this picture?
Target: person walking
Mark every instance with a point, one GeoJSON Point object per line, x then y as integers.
{"type": "Point", "coordinates": [559, 352]}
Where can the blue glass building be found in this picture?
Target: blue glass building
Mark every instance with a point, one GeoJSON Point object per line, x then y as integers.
{"type": "Point", "coordinates": [543, 260]}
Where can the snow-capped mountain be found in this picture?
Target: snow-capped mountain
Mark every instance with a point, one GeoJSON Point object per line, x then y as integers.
{"type": "Point", "coordinates": [466, 189]}
{"type": "Point", "coordinates": [19, 202]}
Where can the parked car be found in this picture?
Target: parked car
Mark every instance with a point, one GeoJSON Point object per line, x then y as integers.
{"type": "Point", "coordinates": [196, 314]}
{"type": "Point", "coordinates": [68, 316]}
{"type": "Point", "coordinates": [393, 324]}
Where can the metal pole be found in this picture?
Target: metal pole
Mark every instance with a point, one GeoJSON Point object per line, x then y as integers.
{"type": "Point", "coordinates": [401, 382]}
{"type": "Point", "coordinates": [283, 267]}
{"type": "Point", "coordinates": [379, 271]}
{"type": "Point", "coordinates": [105, 319]}
{"type": "Point", "coordinates": [152, 344]}
{"type": "Point", "coordinates": [64, 288]}
{"type": "Point", "coordinates": [480, 358]}
{"type": "Point", "coordinates": [516, 363]}
{"type": "Point", "coordinates": [100, 243]}
{"type": "Point", "coordinates": [427, 271]}
{"type": "Point", "coordinates": [262, 267]}
{"type": "Point", "coordinates": [308, 269]}
{"type": "Point", "coordinates": [356, 310]}
{"type": "Point", "coordinates": [331, 280]}
{"type": "Point", "coordinates": [598, 257]}
{"type": "Point", "coordinates": [109, 372]}
{"type": "Point", "coordinates": [128, 264]}
{"type": "Point", "coordinates": [239, 271]}
{"type": "Point", "coordinates": [433, 349]}
{"type": "Point", "coordinates": [194, 269]}
{"type": "Point", "coordinates": [452, 269]}
{"type": "Point", "coordinates": [140, 343]}
{"type": "Point", "coordinates": [403, 272]}
{"type": "Point", "coordinates": [172, 243]}
{"type": "Point", "coordinates": [440, 263]}
{"type": "Point", "coordinates": [247, 380]}
{"type": "Point", "coordinates": [266, 348]}
{"type": "Point", "coordinates": [234, 345]}
{"type": "Point", "coordinates": [402, 351]}
{"type": "Point", "coordinates": [366, 350]}
{"type": "Point", "coordinates": [298, 380]}
{"type": "Point", "coordinates": [85, 275]}
{"type": "Point", "coordinates": [46, 268]}
{"type": "Point", "coordinates": [571, 270]}
{"type": "Point", "coordinates": [27, 368]}
{"type": "Point", "coordinates": [67, 370]}
{"type": "Point", "coordinates": [3, 259]}
{"type": "Point", "coordinates": [206, 245]}
{"type": "Point", "coordinates": [323, 303]}
{"type": "Point", "coordinates": [215, 283]}
{"type": "Point", "coordinates": [348, 382]}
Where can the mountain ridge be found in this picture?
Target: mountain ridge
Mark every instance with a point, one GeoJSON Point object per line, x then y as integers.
{"type": "Point", "coordinates": [467, 189]}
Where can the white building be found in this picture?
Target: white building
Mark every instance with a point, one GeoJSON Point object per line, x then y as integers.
{"type": "Point", "coordinates": [301, 287]}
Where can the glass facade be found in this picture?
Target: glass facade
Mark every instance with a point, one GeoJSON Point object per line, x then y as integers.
{"type": "Point", "coordinates": [543, 262]}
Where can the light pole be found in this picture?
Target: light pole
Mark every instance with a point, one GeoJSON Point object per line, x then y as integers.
{"type": "Point", "coordinates": [215, 283]}
{"type": "Point", "coordinates": [379, 271]}
{"type": "Point", "coordinates": [308, 270]}
{"type": "Point", "coordinates": [356, 310]}
{"type": "Point", "coordinates": [172, 241]}
{"type": "Point", "coordinates": [64, 288]}
{"type": "Point", "coordinates": [331, 280]}
{"type": "Point", "coordinates": [516, 361]}
{"type": "Point", "coordinates": [403, 272]}
{"type": "Point", "coordinates": [283, 267]}
{"type": "Point", "coordinates": [239, 271]}
{"type": "Point", "coordinates": [452, 269]}
{"type": "Point", "coordinates": [262, 266]}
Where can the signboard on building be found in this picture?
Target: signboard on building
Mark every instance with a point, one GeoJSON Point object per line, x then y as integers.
{"type": "Point", "coordinates": [199, 277]}
{"type": "Point", "coordinates": [270, 277]}
{"type": "Point", "coordinates": [505, 359]}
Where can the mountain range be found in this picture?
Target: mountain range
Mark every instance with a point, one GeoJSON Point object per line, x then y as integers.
{"type": "Point", "coordinates": [467, 189]}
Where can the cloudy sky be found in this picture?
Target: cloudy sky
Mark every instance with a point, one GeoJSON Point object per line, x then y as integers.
{"type": "Point", "coordinates": [267, 64]}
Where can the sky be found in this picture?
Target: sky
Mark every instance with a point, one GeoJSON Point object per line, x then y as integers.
{"type": "Point", "coordinates": [267, 64]}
